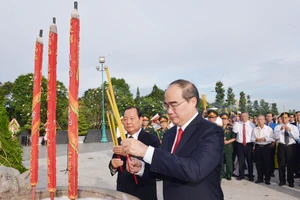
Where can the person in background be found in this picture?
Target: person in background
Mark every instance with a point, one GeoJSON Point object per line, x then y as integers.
{"type": "Point", "coordinates": [229, 138]}
{"type": "Point", "coordinates": [164, 123]}
{"type": "Point", "coordinates": [263, 136]}
{"type": "Point", "coordinates": [297, 153]}
{"type": "Point", "coordinates": [244, 129]}
{"type": "Point", "coordinates": [271, 124]}
{"type": "Point", "coordinates": [279, 120]}
{"type": "Point", "coordinates": [292, 119]}
{"type": "Point", "coordinates": [286, 134]}
{"type": "Point", "coordinates": [145, 188]}
{"type": "Point", "coordinates": [212, 115]}
{"type": "Point", "coordinates": [118, 130]}
{"type": "Point", "coordinates": [146, 126]}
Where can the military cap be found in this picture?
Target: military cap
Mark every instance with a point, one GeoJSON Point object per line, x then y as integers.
{"type": "Point", "coordinates": [212, 113]}
{"type": "Point", "coordinates": [224, 116]}
{"type": "Point", "coordinates": [163, 119]}
{"type": "Point", "coordinates": [146, 118]}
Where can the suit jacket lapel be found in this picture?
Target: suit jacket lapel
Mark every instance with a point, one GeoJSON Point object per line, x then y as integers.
{"type": "Point", "coordinates": [188, 132]}
{"type": "Point", "coordinates": [142, 136]}
{"type": "Point", "coordinates": [171, 138]}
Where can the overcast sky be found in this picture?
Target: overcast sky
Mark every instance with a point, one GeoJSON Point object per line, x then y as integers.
{"type": "Point", "coordinates": [249, 45]}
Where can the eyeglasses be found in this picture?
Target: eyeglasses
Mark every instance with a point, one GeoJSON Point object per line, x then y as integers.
{"type": "Point", "coordinates": [172, 105]}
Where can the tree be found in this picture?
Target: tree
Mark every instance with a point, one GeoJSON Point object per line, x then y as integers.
{"type": "Point", "coordinates": [256, 108]}
{"type": "Point", "coordinates": [242, 102]}
{"type": "Point", "coordinates": [137, 99]}
{"type": "Point", "coordinates": [151, 106]}
{"type": "Point", "coordinates": [90, 107]}
{"type": "Point", "coordinates": [91, 102]}
{"type": "Point", "coordinates": [152, 103]}
{"type": "Point", "coordinates": [249, 106]}
{"type": "Point", "coordinates": [21, 100]}
{"type": "Point", "coordinates": [274, 109]}
{"type": "Point", "coordinates": [124, 97]}
{"type": "Point", "coordinates": [264, 107]}
{"type": "Point", "coordinates": [230, 101]}
{"type": "Point", "coordinates": [10, 148]}
{"type": "Point", "coordinates": [156, 93]}
{"type": "Point", "coordinates": [220, 95]}
{"type": "Point", "coordinates": [82, 125]}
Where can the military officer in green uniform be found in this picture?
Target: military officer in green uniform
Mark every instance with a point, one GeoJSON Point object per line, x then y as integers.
{"type": "Point", "coordinates": [164, 123]}
{"type": "Point", "coordinates": [146, 126]}
{"type": "Point", "coordinates": [229, 138]}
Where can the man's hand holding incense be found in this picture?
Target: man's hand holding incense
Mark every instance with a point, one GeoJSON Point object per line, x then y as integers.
{"type": "Point", "coordinates": [134, 147]}
{"type": "Point", "coordinates": [134, 165]}
{"type": "Point", "coordinates": [116, 162]}
{"type": "Point", "coordinates": [119, 150]}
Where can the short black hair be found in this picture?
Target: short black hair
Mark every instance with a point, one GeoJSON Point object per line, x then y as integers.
{"type": "Point", "coordinates": [285, 113]}
{"type": "Point", "coordinates": [189, 90]}
{"type": "Point", "coordinates": [139, 112]}
{"type": "Point", "coordinates": [269, 113]}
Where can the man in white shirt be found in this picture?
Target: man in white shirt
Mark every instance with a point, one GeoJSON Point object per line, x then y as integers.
{"type": "Point", "coordinates": [286, 135]}
{"type": "Point", "coordinates": [244, 129]}
{"type": "Point", "coordinates": [297, 163]}
{"type": "Point", "coordinates": [263, 136]}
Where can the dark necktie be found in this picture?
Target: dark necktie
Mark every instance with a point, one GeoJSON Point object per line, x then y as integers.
{"type": "Point", "coordinates": [180, 132]}
{"type": "Point", "coordinates": [286, 137]}
{"type": "Point", "coordinates": [244, 135]}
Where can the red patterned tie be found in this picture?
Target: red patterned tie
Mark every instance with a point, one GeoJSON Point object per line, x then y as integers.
{"type": "Point", "coordinates": [180, 131]}
{"type": "Point", "coordinates": [244, 135]}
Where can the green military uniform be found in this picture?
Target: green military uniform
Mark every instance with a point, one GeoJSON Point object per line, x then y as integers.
{"type": "Point", "coordinates": [160, 133]}
{"type": "Point", "coordinates": [228, 149]}
{"type": "Point", "coordinates": [149, 129]}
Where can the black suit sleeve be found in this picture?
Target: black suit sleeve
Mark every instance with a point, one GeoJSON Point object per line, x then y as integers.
{"type": "Point", "coordinates": [203, 157]}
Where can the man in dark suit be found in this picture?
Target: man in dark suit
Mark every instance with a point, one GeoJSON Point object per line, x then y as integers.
{"type": "Point", "coordinates": [190, 158]}
{"type": "Point", "coordinates": [145, 188]}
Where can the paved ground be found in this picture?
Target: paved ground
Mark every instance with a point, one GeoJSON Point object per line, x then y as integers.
{"type": "Point", "coordinates": [93, 171]}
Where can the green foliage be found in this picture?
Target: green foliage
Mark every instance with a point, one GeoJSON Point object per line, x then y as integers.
{"type": "Point", "coordinates": [123, 96]}
{"type": "Point", "coordinates": [156, 93]}
{"type": "Point", "coordinates": [10, 150]}
{"type": "Point", "coordinates": [274, 109]}
{"type": "Point", "coordinates": [249, 106]}
{"type": "Point", "coordinates": [242, 102]}
{"type": "Point", "coordinates": [21, 100]}
{"type": "Point", "coordinates": [82, 125]}
{"type": "Point", "coordinates": [256, 108]}
{"type": "Point", "coordinates": [151, 106]}
{"type": "Point", "coordinates": [90, 107]}
{"type": "Point", "coordinates": [137, 99]}
{"type": "Point", "coordinates": [264, 107]}
{"type": "Point", "coordinates": [91, 102]}
{"type": "Point", "coordinates": [230, 97]}
{"type": "Point", "coordinates": [220, 95]}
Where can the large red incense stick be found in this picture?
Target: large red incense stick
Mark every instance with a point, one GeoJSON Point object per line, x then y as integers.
{"type": "Point", "coordinates": [73, 105]}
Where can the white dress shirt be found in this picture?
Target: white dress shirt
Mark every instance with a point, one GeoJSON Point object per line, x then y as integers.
{"type": "Point", "coordinates": [238, 129]}
{"type": "Point", "coordinates": [264, 132]}
{"type": "Point", "coordinates": [149, 153]}
{"type": "Point", "coordinates": [293, 134]}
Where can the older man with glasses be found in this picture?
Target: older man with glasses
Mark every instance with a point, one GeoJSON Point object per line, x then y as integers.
{"type": "Point", "coordinates": [190, 158]}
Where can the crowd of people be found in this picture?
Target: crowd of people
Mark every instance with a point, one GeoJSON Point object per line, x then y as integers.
{"type": "Point", "coordinates": [191, 151]}
{"type": "Point", "coordinates": [271, 142]}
